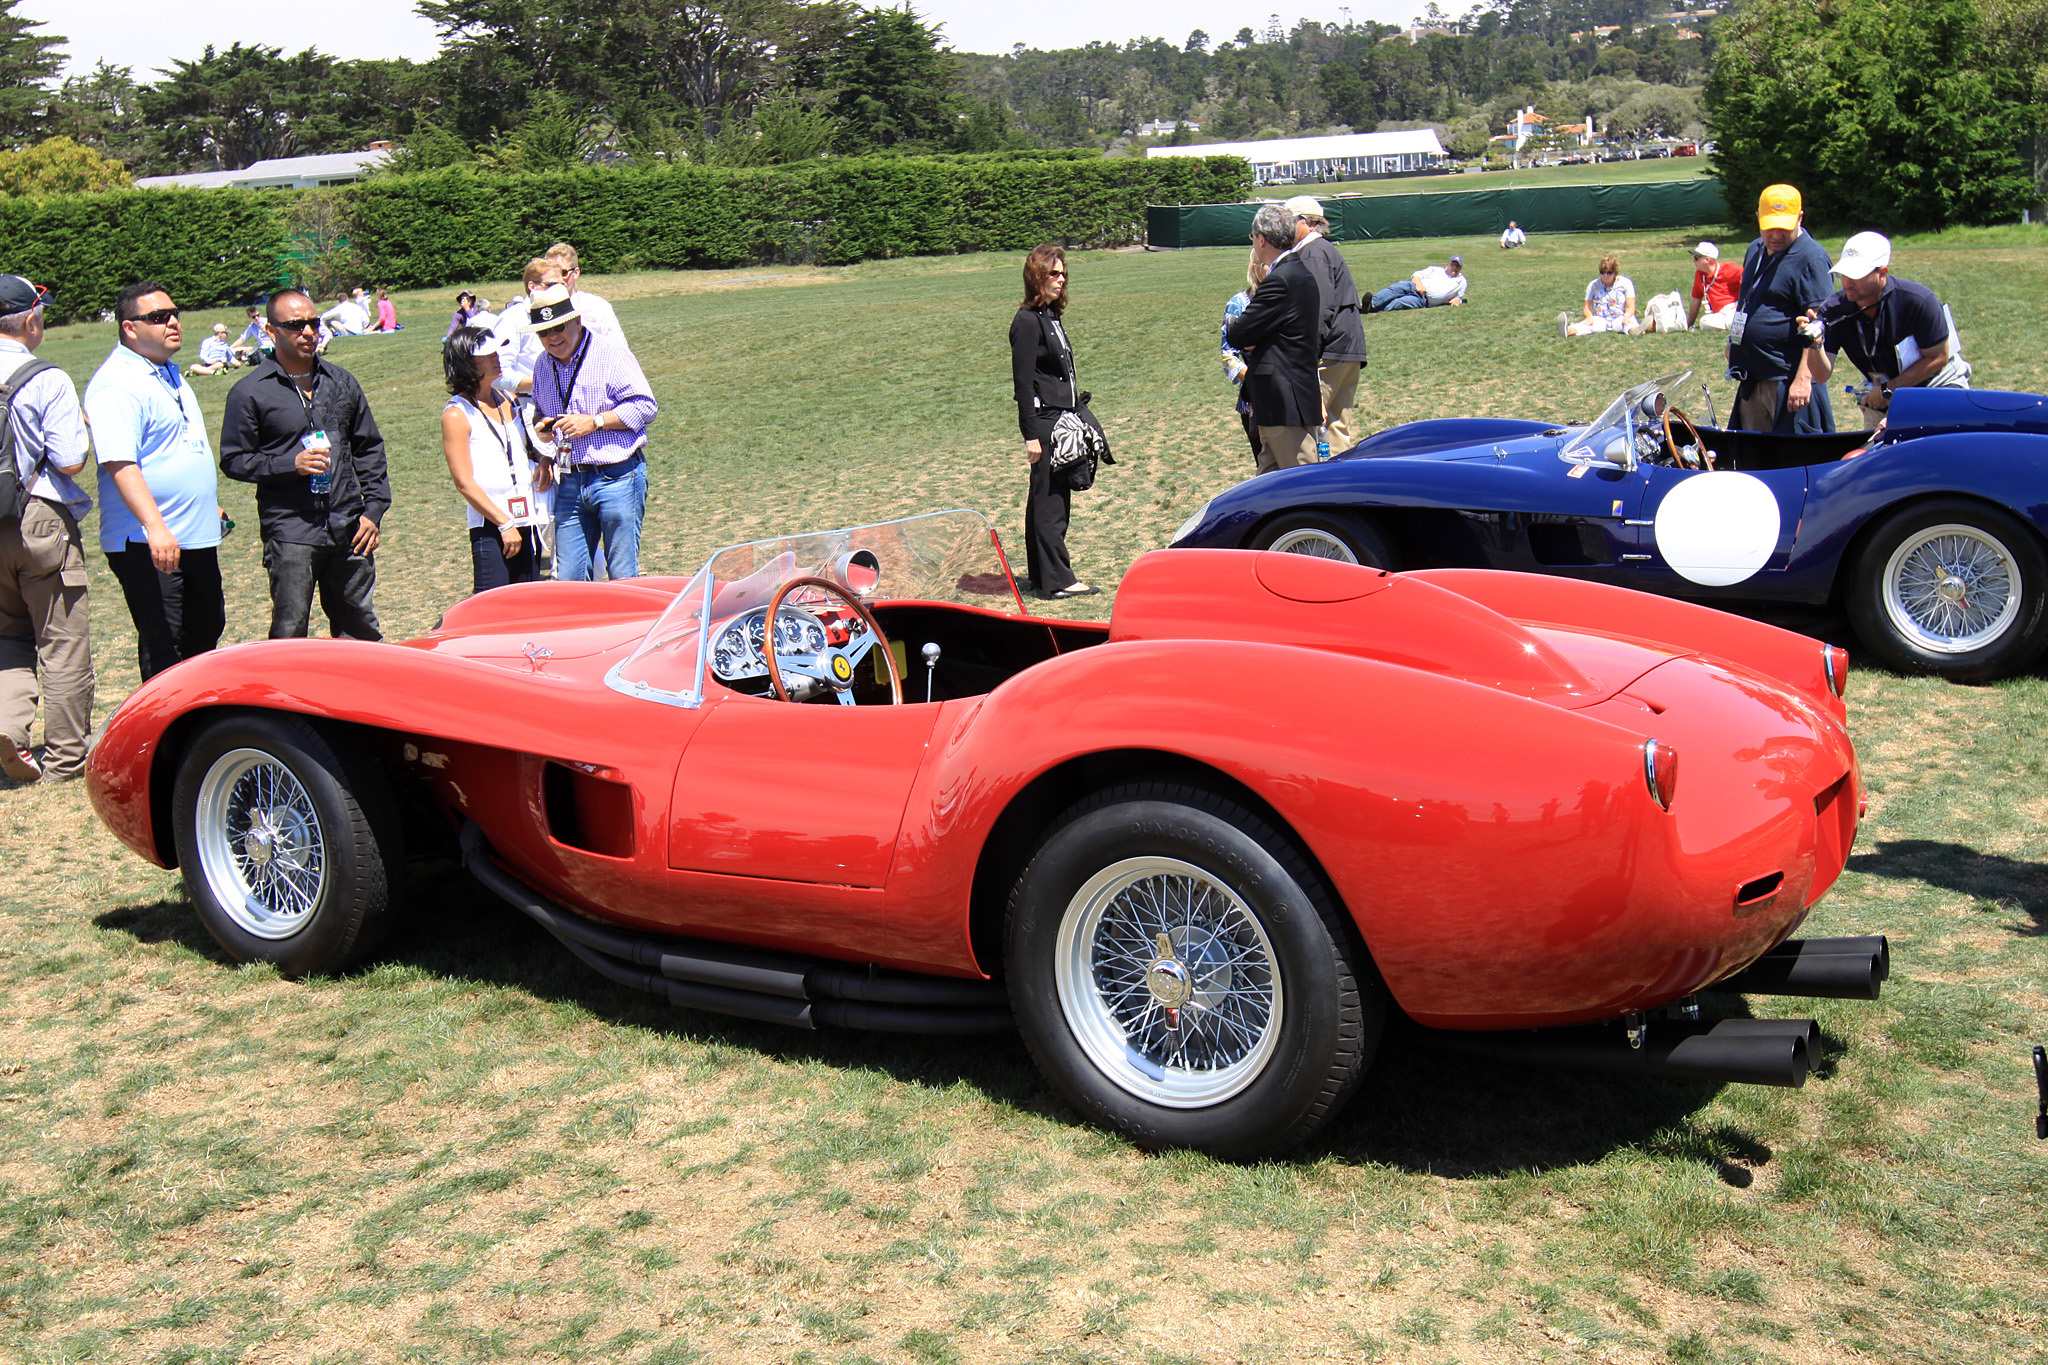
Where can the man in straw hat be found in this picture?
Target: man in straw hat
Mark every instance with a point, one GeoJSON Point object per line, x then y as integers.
{"type": "Point", "coordinates": [596, 405]}
{"type": "Point", "coordinates": [1341, 338]}
{"type": "Point", "coordinates": [1784, 273]}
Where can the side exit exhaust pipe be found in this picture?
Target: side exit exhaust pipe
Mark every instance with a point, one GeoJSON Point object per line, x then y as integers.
{"type": "Point", "coordinates": [1830, 968]}
{"type": "Point", "coordinates": [1776, 1052]}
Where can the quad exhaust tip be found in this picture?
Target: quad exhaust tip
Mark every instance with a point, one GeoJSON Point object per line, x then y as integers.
{"type": "Point", "coordinates": [1779, 1052]}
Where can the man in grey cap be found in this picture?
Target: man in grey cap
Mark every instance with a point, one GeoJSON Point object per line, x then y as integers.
{"type": "Point", "coordinates": [1342, 338]}
{"type": "Point", "coordinates": [43, 623]}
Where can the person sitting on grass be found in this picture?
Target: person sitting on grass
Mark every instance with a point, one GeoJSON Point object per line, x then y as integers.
{"type": "Point", "coordinates": [1513, 237]}
{"type": "Point", "coordinates": [254, 343]}
{"type": "Point", "coordinates": [1435, 286]}
{"type": "Point", "coordinates": [215, 355]}
{"type": "Point", "coordinates": [1610, 304]}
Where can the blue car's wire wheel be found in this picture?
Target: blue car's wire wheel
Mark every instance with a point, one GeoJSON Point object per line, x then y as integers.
{"type": "Point", "coordinates": [1952, 588]}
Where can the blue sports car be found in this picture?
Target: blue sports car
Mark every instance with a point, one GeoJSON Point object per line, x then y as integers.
{"type": "Point", "coordinates": [1931, 532]}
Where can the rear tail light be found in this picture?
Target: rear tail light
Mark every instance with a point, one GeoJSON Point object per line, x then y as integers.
{"type": "Point", "coordinates": [1660, 770]}
{"type": "Point", "coordinates": [1834, 662]}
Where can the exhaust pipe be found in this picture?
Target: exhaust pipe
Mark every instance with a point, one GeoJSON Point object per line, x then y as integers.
{"type": "Point", "coordinates": [1831, 968]}
{"type": "Point", "coordinates": [1776, 1052]}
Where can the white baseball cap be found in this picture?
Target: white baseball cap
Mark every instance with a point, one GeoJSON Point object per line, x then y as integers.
{"type": "Point", "coordinates": [1708, 250]}
{"type": "Point", "coordinates": [1304, 206]}
{"type": "Point", "coordinates": [1863, 253]}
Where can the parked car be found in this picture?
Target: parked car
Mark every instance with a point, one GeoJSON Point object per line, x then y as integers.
{"type": "Point", "coordinates": [1932, 533]}
{"type": "Point", "coordinates": [1686, 149]}
{"type": "Point", "coordinates": [843, 779]}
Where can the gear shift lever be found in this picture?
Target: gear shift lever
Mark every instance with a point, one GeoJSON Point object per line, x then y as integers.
{"type": "Point", "coordinates": [931, 664]}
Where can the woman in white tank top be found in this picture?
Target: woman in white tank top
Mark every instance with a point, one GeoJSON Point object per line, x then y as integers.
{"type": "Point", "coordinates": [489, 459]}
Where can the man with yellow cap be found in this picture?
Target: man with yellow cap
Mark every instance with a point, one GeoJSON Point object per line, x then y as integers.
{"type": "Point", "coordinates": [1784, 273]}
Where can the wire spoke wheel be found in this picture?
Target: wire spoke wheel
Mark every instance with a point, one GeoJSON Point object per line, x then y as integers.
{"type": "Point", "coordinates": [1169, 982]}
{"type": "Point", "coordinates": [1313, 541]}
{"type": "Point", "coordinates": [260, 845]}
{"type": "Point", "coordinates": [1952, 588]}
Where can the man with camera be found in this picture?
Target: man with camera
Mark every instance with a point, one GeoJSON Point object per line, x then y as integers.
{"type": "Point", "coordinates": [1784, 273]}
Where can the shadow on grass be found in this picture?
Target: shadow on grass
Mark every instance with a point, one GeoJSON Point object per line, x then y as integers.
{"type": "Point", "coordinates": [1418, 1109]}
{"type": "Point", "coordinates": [1958, 867]}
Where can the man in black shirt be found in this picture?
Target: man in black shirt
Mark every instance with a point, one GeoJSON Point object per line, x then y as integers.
{"type": "Point", "coordinates": [300, 429]}
{"type": "Point", "coordinates": [1895, 331]}
{"type": "Point", "coordinates": [1281, 332]}
{"type": "Point", "coordinates": [1783, 275]}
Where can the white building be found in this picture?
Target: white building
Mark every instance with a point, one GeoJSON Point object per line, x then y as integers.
{"type": "Point", "coordinates": [284, 173]}
{"type": "Point", "coordinates": [1163, 127]}
{"type": "Point", "coordinates": [1284, 161]}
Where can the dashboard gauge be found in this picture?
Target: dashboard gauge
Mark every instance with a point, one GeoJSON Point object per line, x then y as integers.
{"type": "Point", "coordinates": [738, 650]}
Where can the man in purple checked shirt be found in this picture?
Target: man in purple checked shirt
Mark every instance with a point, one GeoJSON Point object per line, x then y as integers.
{"type": "Point", "coordinates": [596, 404]}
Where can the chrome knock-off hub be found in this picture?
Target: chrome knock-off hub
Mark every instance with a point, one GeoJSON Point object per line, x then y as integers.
{"type": "Point", "coordinates": [1168, 978]}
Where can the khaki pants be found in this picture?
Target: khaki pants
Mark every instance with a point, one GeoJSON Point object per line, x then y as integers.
{"type": "Point", "coordinates": [44, 630]}
{"type": "Point", "coordinates": [1339, 381]}
{"type": "Point", "coordinates": [1285, 447]}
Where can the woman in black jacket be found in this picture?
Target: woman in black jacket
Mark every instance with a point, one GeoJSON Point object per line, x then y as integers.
{"type": "Point", "coordinates": [1042, 364]}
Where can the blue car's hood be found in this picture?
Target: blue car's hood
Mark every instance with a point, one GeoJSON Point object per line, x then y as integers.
{"type": "Point", "coordinates": [1451, 438]}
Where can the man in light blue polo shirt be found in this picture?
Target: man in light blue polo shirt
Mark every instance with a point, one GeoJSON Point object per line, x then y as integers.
{"type": "Point", "coordinates": [160, 512]}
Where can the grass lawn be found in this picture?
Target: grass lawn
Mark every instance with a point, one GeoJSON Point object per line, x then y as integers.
{"type": "Point", "coordinates": [1526, 177]}
{"type": "Point", "coordinates": [476, 1149]}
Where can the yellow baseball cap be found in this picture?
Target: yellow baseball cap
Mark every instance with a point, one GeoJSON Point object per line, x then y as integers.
{"type": "Point", "coordinates": [1778, 207]}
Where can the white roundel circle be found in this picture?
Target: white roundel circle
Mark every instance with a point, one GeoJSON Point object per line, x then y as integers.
{"type": "Point", "coordinates": [1717, 527]}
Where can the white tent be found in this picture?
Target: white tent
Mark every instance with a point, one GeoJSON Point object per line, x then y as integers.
{"type": "Point", "coordinates": [1340, 155]}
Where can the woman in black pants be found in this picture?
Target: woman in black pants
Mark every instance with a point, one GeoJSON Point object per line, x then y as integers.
{"type": "Point", "coordinates": [484, 440]}
{"type": "Point", "coordinates": [1042, 365]}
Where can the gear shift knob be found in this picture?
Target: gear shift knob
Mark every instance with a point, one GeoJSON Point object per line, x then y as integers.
{"type": "Point", "coordinates": [931, 664]}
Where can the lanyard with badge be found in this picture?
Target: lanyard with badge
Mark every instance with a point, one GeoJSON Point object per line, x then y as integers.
{"type": "Point", "coordinates": [563, 391]}
{"type": "Point", "coordinates": [1751, 283]}
{"type": "Point", "coordinates": [519, 504]}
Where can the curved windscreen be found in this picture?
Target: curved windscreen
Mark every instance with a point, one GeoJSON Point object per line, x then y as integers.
{"type": "Point", "coordinates": [939, 557]}
{"type": "Point", "coordinates": [1596, 440]}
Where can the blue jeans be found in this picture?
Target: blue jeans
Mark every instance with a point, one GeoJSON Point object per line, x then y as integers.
{"type": "Point", "coordinates": [1398, 296]}
{"type": "Point", "coordinates": [605, 504]}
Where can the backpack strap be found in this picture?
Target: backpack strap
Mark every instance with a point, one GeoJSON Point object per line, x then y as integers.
{"type": "Point", "coordinates": [11, 387]}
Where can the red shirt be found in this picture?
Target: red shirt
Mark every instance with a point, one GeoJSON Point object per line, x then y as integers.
{"type": "Point", "coordinates": [1718, 286]}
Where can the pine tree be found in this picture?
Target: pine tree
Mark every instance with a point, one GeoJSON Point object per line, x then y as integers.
{"type": "Point", "coordinates": [29, 60]}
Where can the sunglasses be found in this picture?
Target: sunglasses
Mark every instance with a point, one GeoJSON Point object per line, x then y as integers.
{"type": "Point", "coordinates": [158, 318]}
{"type": "Point", "coordinates": [555, 330]}
{"type": "Point", "coordinates": [296, 324]}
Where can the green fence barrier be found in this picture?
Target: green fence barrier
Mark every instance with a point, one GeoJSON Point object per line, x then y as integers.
{"type": "Point", "coordinates": [1473, 213]}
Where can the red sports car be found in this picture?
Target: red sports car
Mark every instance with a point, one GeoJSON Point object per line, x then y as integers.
{"type": "Point", "coordinates": [1193, 854]}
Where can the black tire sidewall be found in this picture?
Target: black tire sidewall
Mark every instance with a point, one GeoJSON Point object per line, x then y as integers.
{"type": "Point", "coordinates": [355, 892]}
{"type": "Point", "coordinates": [2022, 642]}
{"type": "Point", "coordinates": [1313, 971]}
{"type": "Point", "coordinates": [1357, 534]}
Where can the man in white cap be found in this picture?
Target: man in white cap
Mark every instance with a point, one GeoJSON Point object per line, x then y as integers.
{"type": "Point", "coordinates": [1341, 339]}
{"type": "Point", "coordinates": [595, 405]}
{"type": "Point", "coordinates": [1895, 331]}
{"type": "Point", "coordinates": [1716, 283]}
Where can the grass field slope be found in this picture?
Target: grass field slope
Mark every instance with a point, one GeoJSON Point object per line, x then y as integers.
{"type": "Point", "coordinates": [476, 1150]}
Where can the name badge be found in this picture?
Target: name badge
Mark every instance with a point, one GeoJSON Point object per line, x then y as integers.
{"type": "Point", "coordinates": [520, 509]}
{"type": "Point", "coordinates": [1736, 329]}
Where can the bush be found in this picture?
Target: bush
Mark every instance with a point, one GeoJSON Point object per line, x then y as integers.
{"type": "Point", "coordinates": [212, 247]}
{"type": "Point", "coordinates": [432, 230]}
{"type": "Point", "coordinates": [445, 227]}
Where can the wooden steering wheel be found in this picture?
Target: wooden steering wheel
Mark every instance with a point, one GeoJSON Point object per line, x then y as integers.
{"type": "Point", "coordinates": [1704, 458]}
{"type": "Point", "coordinates": [876, 641]}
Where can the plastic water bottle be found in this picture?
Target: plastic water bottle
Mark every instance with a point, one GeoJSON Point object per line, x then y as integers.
{"type": "Point", "coordinates": [320, 482]}
{"type": "Point", "coordinates": [1322, 444]}
{"type": "Point", "coordinates": [1856, 391]}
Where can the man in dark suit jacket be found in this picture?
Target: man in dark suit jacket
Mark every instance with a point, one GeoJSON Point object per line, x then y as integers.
{"type": "Point", "coordinates": [1282, 332]}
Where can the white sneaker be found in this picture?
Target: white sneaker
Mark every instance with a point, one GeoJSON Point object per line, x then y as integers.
{"type": "Point", "coordinates": [18, 763]}
{"type": "Point", "coordinates": [1564, 324]}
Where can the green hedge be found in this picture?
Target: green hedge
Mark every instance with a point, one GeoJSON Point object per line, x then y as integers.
{"type": "Point", "coordinates": [429, 230]}
{"type": "Point", "coordinates": [215, 247]}
{"type": "Point", "coordinates": [211, 247]}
